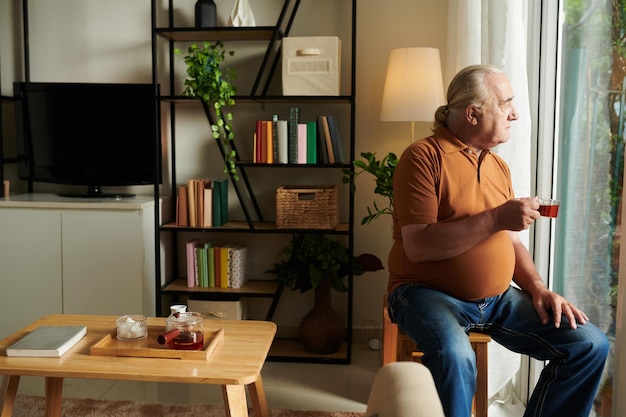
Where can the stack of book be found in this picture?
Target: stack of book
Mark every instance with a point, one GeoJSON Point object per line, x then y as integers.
{"type": "Point", "coordinates": [216, 265]}
{"type": "Point", "coordinates": [202, 203]}
{"type": "Point", "coordinates": [279, 141]}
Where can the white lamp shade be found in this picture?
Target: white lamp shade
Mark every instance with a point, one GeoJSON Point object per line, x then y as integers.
{"type": "Point", "coordinates": [413, 86]}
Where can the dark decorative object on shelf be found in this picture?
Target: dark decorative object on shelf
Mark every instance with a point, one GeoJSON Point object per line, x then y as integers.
{"type": "Point", "coordinates": [322, 330]}
{"type": "Point", "coordinates": [206, 14]}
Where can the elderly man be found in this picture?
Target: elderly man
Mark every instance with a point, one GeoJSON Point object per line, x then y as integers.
{"type": "Point", "coordinates": [456, 253]}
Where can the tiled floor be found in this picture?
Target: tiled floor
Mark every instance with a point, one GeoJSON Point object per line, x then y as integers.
{"type": "Point", "coordinates": [294, 386]}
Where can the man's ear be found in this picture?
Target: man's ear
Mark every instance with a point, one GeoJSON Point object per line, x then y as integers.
{"type": "Point", "coordinates": [471, 114]}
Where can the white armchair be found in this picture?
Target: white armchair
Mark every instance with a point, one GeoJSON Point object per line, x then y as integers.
{"type": "Point", "coordinates": [403, 389]}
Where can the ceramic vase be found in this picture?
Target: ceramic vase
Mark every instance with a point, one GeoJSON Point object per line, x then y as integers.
{"type": "Point", "coordinates": [206, 14]}
{"type": "Point", "coordinates": [322, 330]}
{"type": "Point", "coordinates": [242, 14]}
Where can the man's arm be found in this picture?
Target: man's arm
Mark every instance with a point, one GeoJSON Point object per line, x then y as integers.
{"type": "Point", "coordinates": [438, 241]}
{"type": "Point", "coordinates": [528, 279]}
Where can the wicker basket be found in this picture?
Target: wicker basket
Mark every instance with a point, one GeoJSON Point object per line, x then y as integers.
{"type": "Point", "coordinates": [312, 207]}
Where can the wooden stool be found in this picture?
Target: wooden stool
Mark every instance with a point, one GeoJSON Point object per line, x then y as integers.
{"type": "Point", "coordinates": [398, 346]}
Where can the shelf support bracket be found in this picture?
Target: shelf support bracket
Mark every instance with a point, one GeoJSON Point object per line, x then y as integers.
{"type": "Point", "coordinates": [244, 176]}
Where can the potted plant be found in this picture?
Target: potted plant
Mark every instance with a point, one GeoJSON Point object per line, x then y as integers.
{"type": "Point", "coordinates": [205, 80]}
{"type": "Point", "coordinates": [383, 175]}
{"type": "Point", "coordinates": [314, 261]}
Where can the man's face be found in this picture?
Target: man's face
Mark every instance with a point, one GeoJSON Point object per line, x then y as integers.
{"type": "Point", "coordinates": [495, 121]}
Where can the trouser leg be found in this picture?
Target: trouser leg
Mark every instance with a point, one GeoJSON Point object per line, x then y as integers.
{"type": "Point", "coordinates": [576, 357]}
{"type": "Point", "coordinates": [436, 323]}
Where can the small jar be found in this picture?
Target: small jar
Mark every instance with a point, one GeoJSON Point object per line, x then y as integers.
{"type": "Point", "coordinates": [174, 310]}
{"type": "Point", "coordinates": [132, 327]}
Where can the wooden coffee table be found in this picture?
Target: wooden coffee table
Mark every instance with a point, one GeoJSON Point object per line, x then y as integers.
{"type": "Point", "coordinates": [235, 364]}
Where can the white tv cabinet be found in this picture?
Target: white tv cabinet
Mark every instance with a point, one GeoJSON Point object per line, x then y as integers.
{"type": "Point", "coordinates": [67, 255]}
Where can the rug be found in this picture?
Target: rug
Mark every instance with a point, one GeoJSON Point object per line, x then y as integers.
{"type": "Point", "coordinates": [34, 406]}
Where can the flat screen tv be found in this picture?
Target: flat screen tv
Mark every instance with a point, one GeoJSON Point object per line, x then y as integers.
{"type": "Point", "coordinates": [87, 134]}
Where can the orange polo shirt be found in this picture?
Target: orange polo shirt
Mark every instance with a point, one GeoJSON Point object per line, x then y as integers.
{"type": "Point", "coordinates": [440, 179]}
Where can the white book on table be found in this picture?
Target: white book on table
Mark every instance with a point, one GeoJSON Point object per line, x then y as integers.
{"type": "Point", "coordinates": [47, 341]}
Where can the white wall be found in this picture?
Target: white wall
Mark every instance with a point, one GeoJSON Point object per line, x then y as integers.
{"type": "Point", "coordinates": [109, 41]}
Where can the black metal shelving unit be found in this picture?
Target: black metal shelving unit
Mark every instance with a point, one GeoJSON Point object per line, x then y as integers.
{"type": "Point", "coordinates": [254, 222]}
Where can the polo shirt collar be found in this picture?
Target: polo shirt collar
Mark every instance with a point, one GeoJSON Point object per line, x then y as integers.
{"type": "Point", "coordinates": [450, 143]}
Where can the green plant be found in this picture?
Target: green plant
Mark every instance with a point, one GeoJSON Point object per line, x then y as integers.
{"type": "Point", "coordinates": [383, 175]}
{"type": "Point", "coordinates": [205, 80]}
{"type": "Point", "coordinates": [310, 258]}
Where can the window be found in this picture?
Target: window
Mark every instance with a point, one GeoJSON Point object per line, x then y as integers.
{"type": "Point", "coordinates": [588, 158]}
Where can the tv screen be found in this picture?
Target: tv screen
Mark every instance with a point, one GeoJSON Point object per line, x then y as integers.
{"type": "Point", "coordinates": [87, 134]}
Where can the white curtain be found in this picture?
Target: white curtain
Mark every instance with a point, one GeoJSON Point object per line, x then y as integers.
{"type": "Point", "coordinates": [494, 32]}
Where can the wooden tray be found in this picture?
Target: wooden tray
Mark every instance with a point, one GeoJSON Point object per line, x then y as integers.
{"type": "Point", "coordinates": [150, 348]}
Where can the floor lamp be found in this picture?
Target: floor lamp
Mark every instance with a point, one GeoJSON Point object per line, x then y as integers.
{"type": "Point", "coordinates": [413, 86]}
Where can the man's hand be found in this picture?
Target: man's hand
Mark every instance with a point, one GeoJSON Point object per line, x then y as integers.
{"type": "Point", "coordinates": [518, 214]}
{"type": "Point", "coordinates": [545, 300]}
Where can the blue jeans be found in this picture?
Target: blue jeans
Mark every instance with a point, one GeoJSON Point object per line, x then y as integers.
{"type": "Point", "coordinates": [439, 324]}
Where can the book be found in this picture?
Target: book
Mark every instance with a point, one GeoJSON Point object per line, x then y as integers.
{"type": "Point", "coordinates": [283, 140]}
{"type": "Point", "coordinates": [327, 138]}
{"type": "Point", "coordinates": [201, 263]}
{"type": "Point", "coordinates": [269, 141]}
{"type": "Point", "coordinates": [263, 141]}
{"type": "Point", "coordinates": [237, 266]}
{"type": "Point", "coordinates": [275, 138]}
{"type": "Point", "coordinates": [197, 190]}
{"type": "Point", "coordinates": [208, 248]}
{"type": "Point", "coordinates": [192, 276]}
{"type": "Point", "coordinates": [199, 202]}
{"type": "Point", "coordinates": [311, 142]}
{"type": "Point", "coordinates": [302, 142]}
{"type": "Point", "coordinates": [47, 341]}
{"type": "Point", "coordinates": [216, 204]}
{"type": "Point", "coordinates": [217, 268]}
{"type": "Point", "coordinates": [335, 137]}
{"type": "Point", "coordinates": [224, 264]}
{"type": "Point", "coordinates": [294, 120]}
{"type": "Point", "coordinates": [196, 265]}
{"type": "Point", "coordinates": [182, 210]}
{"type": "Point", "coordinates": [191, 198]}
{"type": "Point", "coordinates": [258, 142]}
{"type": "Point", "coordinates": [255, 147]}
{"type": "Point", "coordinates": [207, 201]}
{"type": "Point", "coordinates": [321, 142]}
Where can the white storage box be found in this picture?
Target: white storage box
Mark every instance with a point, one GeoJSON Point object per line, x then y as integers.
{"type": "Point", "coordinates": [311, 66]}
{"type": "Point", "coordinates": [231, 310]}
